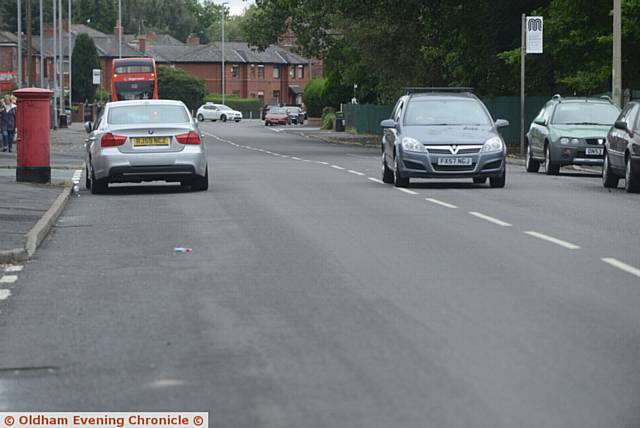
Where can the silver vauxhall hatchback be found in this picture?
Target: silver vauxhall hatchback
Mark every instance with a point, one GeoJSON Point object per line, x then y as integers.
{"type": "Point", "coordinates": [145, 140]}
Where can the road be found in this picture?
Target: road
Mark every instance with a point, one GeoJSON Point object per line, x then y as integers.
{"type": "Point", "coordinates": [315, 296]}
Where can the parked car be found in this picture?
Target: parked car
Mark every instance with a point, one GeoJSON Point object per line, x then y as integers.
{"type": "Point", "coordinates": [276, 116]}
{"type": "Point", "coordinates": [266, 108]}
{"type": "Point", "coordinates": [145, 140]}
{"type": "Point", "coordinates": [296, 115]}
{"type": "Point", "coordinates": [622, 150]}
{"type": "Point", "coordinates": [442, 134]}
{"type": "Point", "coordinates": [569, 131]}
{"type": "Point", "coordinates": [213, 112]}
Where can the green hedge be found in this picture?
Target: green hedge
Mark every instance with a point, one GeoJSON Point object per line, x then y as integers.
{"type": "Point", "coordinates": [249, 107]}
{"type": "Point", "coordinates": [312, 97]}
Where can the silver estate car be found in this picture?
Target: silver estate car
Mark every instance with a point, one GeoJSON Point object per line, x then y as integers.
{"type": "Point", "coordinates": [145, 140]}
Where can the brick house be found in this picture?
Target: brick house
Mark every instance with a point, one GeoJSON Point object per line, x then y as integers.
{"type": "Point", "coordinates": [274, 76]}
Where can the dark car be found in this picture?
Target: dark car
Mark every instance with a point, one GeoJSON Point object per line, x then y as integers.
{"type": "Point", "coordinates": [276, 116]}
{"type": "Point", "coordinates": [296, 115]}
{"type": "Point", "coordinates": [569, 131]}
{"type": "Point", "coordinates": [442, 134]}
{"type": "Point", "coordinates": [622, 150]}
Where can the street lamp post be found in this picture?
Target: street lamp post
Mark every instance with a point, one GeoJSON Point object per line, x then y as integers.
{"type": "Point", "coordinates": [223, 70]}
{"type": "Point", "coordinates": [19, 43]}
{"type": "Point", "coordinates": [41, 46]}
{"type": "Point", "coordinates": [616, 69]}
{"type": "Point", "coordinates": [69, 41]}
{"type": "Point", "coordinates": [119, 28]}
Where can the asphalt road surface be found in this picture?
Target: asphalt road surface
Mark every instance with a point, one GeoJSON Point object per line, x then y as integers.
{"type": "Point", "coordinates": [315, 296]}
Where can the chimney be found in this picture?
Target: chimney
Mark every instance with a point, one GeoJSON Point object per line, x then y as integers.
{"type": "Point", "coordinates": [152, 36]}
{"type": "Point", "coordinates": [117, 29]}
{"type": "Point", "coordinates": [142, 44]}
{"type": "Point", "coordinates": [193, 40]}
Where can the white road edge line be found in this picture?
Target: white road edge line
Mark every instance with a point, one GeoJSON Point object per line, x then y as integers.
{"type": "Point", "coordinates": [490, 219]}
{"type": "Point", "coordinates": [553, 240]}
{"type": "Point", "coordinates": [4, 293]}
{"type": "Point", "coordinates": [444, 204]}
{"type": "Point", "coordinates": [8, 279]}
{"type": "Point", "coordinates": [411, 192]}
{"type": "Point", "coordinates": [355, 172]}
{"type": "Point", "coordinates": [375, 180]}
{"type": "Point", "coordinates": [622, 266]}
{"type": "Point", "coordinates": [337, 167]}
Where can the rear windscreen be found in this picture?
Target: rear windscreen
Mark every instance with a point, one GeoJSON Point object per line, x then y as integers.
{"type": "Point", "coordinates": [134, 68]}
{"type": "Point", "coordinates": [143, 114]}
{"type": "Point", "coordinates": [140, 90]}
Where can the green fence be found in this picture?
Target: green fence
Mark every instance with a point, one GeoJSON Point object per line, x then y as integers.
{"type": "Point", "coordinates": [366, 118]}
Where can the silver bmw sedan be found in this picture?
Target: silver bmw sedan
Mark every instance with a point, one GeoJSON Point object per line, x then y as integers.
{"type": "Point", "coordinates": [145, 140]}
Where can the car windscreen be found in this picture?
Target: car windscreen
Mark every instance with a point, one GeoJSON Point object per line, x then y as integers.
{"type": "Point", "coordinates": [446, 112]}
{"type": "Point", "coordinates": [585, 114]}
{"type": "Point", "coordinates": [277, 110]}
{"type": "Point", "coordinates": [295, 110]}
{"type": "Point", "coordinates": [144, 114]}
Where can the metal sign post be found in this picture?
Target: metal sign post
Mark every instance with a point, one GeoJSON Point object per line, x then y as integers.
{"type": "Point", "coordinates": [532, 43]}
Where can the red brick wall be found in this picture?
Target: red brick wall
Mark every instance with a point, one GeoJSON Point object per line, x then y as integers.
{"type": "Point", "coordinates": [8, 61]}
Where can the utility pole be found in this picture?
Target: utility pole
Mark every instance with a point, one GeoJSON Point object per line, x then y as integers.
{"type": "Point", "coordinates": [41, 46]}
{"type": "Point", "coordinates": [119, 28]}
{"type": "Point", "coordinates": [69, 40]}
{"type": "Point", "coordinates": [523, 54]}
{"type": "Point", "coordinates": [29, 32]}
{"type": "Point", "coordinates": [54, 64]}
{"type": "Point", "coordinates": [616, 70]}
{"type": "Point", "coordinates": [19, 43]}
{"type": "Point", "coordinates": [223, 71]}
{"type": "Point", "coordinates": [61, 51]}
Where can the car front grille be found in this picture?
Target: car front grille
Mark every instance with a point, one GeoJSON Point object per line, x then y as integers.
{"type": "Point", "coordinates": [448, 150]}
{"type": "Point", "coordinates": [594, 141]}
{"type": "Point", "coordinates": [453, 168]}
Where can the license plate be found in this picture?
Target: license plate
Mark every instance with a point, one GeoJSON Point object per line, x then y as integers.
{"type": "Point", "coordinates": [595, 151]}
{"type": "Point", "coordinates": [150, 141]}
{"type": "Point", "coordinates": [454, 161]}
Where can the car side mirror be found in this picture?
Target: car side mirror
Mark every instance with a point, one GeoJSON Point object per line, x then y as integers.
{"type": "Point", "coordinates": [502, 123]}
{"type": "Point", "coordinates": [388, 124]}
{"type": "Point", "coordinates": [88, 127]}
{"type": "Point", "coordinates": [620, 124]}
{"type": "Point", "coordinates": [540, 122]}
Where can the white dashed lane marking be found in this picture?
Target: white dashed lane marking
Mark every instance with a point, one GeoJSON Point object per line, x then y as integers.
{"type": "Point", "coordinates": [16, 268]}
{"type": "Point", "coordinates": [4, 293]}
{"type": "Point", "coordinates": [8, 279]}
{"type": "Point", "coordinates": [337, 167]}
{"type": "Point", "coordinates": [375, 180]}
{"type": "Point", "coordinates": [622, 266]}
{"type": "Point", "coordinates": [560, 242]}
{"type": "Point", "coordinates": [441, 203]}
{"type": "Point", "coordinates": [410, 192]}
{"type": "Point", "coordinates": [490, 219]}
{"type": "Point", "coordinates": [355, 172]}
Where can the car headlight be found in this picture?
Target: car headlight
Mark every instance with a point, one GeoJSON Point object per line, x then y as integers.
{"type": "Point", "coordinates": [493, 144]}
{"type": "Point", "coordinates": [412, 145]}
{"type": "Point", "coordinates": [564, 141]}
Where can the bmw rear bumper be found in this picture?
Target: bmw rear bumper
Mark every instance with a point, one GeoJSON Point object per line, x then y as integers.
{"type": "Point", "coordinates": [116, 166]}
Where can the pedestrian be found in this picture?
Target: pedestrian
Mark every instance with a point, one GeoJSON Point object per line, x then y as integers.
{"type": "Point", "coordinates": [8, 122]}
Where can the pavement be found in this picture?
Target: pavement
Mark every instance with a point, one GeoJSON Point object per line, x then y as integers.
{"type": "Point", "coordinates": [27, 211]}
{"type": "Point", "coordinates": [317, 296]}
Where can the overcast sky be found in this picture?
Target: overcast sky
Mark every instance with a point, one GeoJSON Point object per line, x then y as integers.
{"type": "Point", "coordinates": [236, 6]}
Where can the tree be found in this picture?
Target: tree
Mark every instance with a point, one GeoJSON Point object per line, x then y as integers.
{"type": "Point", "coordinates": [99, 14]}
{"type": "Point", "coordinates": [176, 84]}
{"type": "Point", "coordinates": [312, 97]}
{"type": "Point", "coordinates": [84, 60]}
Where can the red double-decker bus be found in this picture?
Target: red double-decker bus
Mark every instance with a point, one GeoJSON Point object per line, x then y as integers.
{"type": "Point", "coordinates": [134, 79]}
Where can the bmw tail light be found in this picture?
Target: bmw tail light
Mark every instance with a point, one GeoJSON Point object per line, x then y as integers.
{"type": "Point", "coordinates": [191, 137]}
{"type": "Point", "coordinates": [110, 140]}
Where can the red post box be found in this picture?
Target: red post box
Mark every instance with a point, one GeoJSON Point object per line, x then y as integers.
{"type": "Point", "coordinates": [33, 135]}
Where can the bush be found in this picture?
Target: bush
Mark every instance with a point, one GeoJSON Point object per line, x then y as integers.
{"type": "Point", "coordinates": [176, 84]}
{"type": "Point", "coordinates": [312, 97]}
{"type": "Point", "coordinates": [328, 117]}
{"type": "Point", "coordinates": [243, 105]}
{"type": "Point", "coordinates": [102, 95]}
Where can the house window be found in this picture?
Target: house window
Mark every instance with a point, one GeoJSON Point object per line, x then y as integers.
{"type": "Point", "coordinates": [292, 72]}
{"type": "Point", "coordinates": [301, 72]}
{"type": "Point", "coordinates": [261, 72]}
{"type": "Point", "coordinates": [276, 71]}
{"type": "Point", "coordinates": [252, 73]}
{"type": "Point", "coordinates": [276, 97]}
{"type": "Point", "coordinates": [235, 71]}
